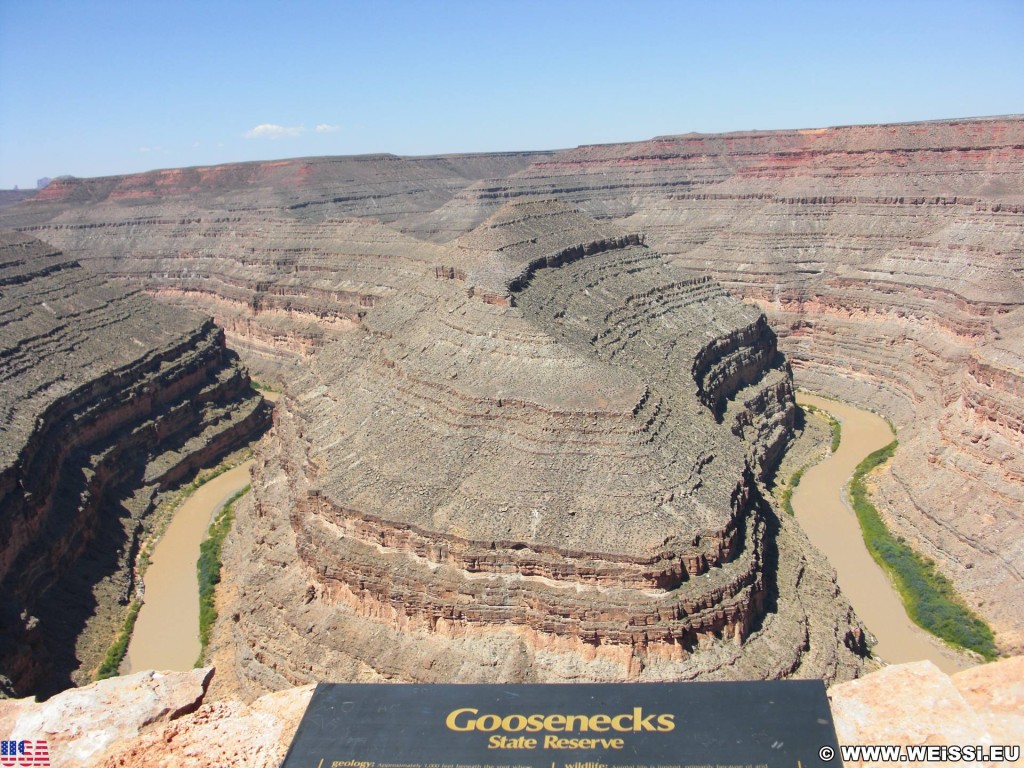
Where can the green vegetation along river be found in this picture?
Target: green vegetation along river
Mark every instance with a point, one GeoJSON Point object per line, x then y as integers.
{"type": "Point", "coordinates": [821, 506]}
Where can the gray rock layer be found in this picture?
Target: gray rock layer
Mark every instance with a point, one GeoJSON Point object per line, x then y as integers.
{"type": "Point", "coordinates": [889, 259]}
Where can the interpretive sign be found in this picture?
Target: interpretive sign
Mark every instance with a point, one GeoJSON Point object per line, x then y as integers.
{"type": "Point", "coordinates": [779, 724]}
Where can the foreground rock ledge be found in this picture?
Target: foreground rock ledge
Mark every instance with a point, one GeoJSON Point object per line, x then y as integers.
{"type": "Point", "coordinates": [157, 719]}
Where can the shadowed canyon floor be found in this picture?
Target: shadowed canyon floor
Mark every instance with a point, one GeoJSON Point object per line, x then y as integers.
{"type": "Point", "coordinates": [530, 440]}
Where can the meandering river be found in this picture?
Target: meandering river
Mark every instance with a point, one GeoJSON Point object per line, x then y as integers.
{"type": "Point", "coordinates": [821, 506]}
{"type": "Point", "coordinates": [166, 635]}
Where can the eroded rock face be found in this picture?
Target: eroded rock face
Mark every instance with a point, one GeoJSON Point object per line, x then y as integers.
{"type": "Point", "coordinates": [107, 398]}
{"type": "Point", "coordinates": [270, 250]}
{"type": "Point", "coordinates": [157, 719]}
{"type": "Point", "coordinates": [561, 486]}
{"type": "Point", "coordinates": [280, 288]}
{"type": "Point", "coordinates": [888, 259]}
{"type": "Point", "coordinates": [81, 725]}
{"type": "Point", "coordinates": [916, 704]}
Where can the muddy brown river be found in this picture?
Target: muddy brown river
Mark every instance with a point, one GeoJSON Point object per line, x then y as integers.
{"type": "Point", "coordinates": [821, 506]}
{"type": "Point", "coordinates": [166, 635]}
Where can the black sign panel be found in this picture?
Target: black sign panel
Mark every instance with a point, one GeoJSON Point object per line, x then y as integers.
{"type": "Point", "coordinates": [780, 724]}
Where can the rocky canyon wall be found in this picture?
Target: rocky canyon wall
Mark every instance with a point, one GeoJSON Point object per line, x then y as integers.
{"type": "Point", "coordinates": [283, 255]}
{"type": "Point", "coordinates": [463, 489]}
{"type": "Point", "coordinates": [108, 398]}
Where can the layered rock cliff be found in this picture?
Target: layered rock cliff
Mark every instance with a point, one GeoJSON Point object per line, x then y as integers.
{"type": "Point", "coordinates": [889, 259]}
{"type": "Point", "coordinates": [280, 288]}
{"type": "Point", "coordinates": [14, 196]}
{"type": "Point", "coordinates": [270, 250]}
{"type": "Point", "coordinates": [531, 489]}
{"type": "Point", "coordinates": [107, 399]}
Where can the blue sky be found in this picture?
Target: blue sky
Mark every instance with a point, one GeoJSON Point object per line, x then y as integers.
{"type": "Point", "coordinates": [98, 87]}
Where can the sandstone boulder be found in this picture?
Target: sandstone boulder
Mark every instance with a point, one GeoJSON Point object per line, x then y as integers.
{"type": "Point", "coordinates": [82, 724]}
{"type": "Point", "coordinates": [913, 704]}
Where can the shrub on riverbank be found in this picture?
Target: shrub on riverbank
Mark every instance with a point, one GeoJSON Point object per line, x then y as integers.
{"type": "Point", "coordinates": [115, 654]}
{"type": "Point", "coordinates": [932, 602]}
{"type": "Point", "coordinates": [833, 423]}
{"type": "Point", "coordinates": [261, 386]}
{"type": "Point", "coordinates": [787, 492]}
{"type": "Point", "coordinates": [208, 569]}
{"type": "Point", "coordinates": [837, 432]}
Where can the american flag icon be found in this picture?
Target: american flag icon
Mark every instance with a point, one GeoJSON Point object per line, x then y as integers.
{"type": "Point", "coordinates": [15, 754]}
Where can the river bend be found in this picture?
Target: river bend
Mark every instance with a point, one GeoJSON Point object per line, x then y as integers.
{"type": "Point", "coordinates": [821, 506]}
